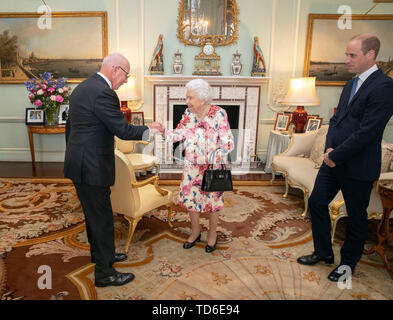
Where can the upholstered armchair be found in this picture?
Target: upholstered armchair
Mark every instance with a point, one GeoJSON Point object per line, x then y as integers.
{"type": "Point", "coordinates": [138, 154]}
{"type": "Point", "coordinates": [300, 163]}
{"type": "Point", "coordinates": [133, 198]}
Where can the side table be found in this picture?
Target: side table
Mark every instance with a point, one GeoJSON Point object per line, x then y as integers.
{"type": "Point", "coordinates": [41, 129]}
{"type": "Point", "coordinates": [385, 189]}
{"type": "Point", "coordinates": [278, 143]}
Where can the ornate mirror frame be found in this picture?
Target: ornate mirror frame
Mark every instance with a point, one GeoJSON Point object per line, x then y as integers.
{"type": "Point", "coordinates": [198, 40]}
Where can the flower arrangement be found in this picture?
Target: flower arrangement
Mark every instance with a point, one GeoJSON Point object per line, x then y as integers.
{"type": "Point", "coordinates": [48, 93]}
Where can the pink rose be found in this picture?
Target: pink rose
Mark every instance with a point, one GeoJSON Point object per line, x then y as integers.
{"type": "Point", "coordinates": [59, 98]}
{"type": "Point", "coordinates": [51, 90]}
{"type": "Point", "coordinates": [38, 103]}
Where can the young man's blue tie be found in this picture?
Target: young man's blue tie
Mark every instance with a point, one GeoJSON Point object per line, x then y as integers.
{"type": "Point", "coordinates": [353, 91]}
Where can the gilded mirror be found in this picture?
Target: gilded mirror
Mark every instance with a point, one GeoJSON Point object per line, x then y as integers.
{"type": "Point", "coordinates": [198, 19]}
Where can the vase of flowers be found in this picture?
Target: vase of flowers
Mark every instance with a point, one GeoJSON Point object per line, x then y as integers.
{"type": "Point", "coordinates": [48, 94]}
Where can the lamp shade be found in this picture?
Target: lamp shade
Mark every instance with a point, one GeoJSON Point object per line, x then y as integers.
{"type": "Point", "coordinates": [302, 92]}
{"type": "Point", "coordinates": [128, 92]}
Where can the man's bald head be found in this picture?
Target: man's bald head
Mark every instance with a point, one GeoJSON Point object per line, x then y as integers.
{"type": "Point", "coordinates": [114, 59]}
{"type": "Point", "coordinates": [116, 68]}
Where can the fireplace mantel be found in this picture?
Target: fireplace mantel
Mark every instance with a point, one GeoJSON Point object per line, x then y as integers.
{"type": "Point", "coordinates": [232, 80]}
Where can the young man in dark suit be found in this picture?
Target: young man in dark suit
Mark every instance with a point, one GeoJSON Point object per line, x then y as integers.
{"type": "Point", "coordinates": [352, 160]}
{"type": "Point", "coordinates": [93, 121]}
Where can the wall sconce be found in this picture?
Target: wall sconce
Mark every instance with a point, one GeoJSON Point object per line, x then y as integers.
{"type": "Point", "coordinates": [301, 93]}
{"type": "Point", "coordinates": [130, 100]}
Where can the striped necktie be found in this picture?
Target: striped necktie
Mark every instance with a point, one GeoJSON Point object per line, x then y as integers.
{"type": "Point", "coordinates": [353, 91]}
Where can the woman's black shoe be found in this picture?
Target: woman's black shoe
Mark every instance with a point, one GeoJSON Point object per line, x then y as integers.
{"type": "Point", "coordinates": [209, 249]}
{"type": "Point", "coordinates": [189, 245]}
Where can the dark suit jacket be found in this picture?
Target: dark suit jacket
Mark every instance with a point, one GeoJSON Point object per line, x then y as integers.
{"type": "Point", "coordinates": [94, 119]}
{"type": "Point", "coordinates": [355, 131]}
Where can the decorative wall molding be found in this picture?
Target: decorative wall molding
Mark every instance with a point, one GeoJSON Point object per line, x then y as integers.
{"type": "Point", "coordinates": [12, 120]}
{"type": "Point", "coordinates": [28, 150]}
{"type": "Point", "coordinates": [142, 46]}
{"type": "Point", "coordinates": [276, 92]}
{"type": "Point", "coordinates": [233, 80]}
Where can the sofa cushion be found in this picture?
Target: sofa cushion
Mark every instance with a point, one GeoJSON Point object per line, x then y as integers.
{"type": "Point", "coordinates": [283, 163]}
{"type": "Point", "coordinates": [303, 174]}
{"type": "Point", "coordinates": [318, 148]}
{"type": "Point", "coordinates": [387, 156]}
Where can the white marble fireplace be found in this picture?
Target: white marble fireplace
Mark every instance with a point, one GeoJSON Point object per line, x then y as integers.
{"type": "Point", "coordinates": [241, 94]}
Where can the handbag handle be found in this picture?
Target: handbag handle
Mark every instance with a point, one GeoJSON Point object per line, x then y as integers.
{"type": "Point", "coordinates": [212, 157]}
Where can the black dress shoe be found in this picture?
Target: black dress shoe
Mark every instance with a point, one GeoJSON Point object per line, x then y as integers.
{"type": "Point", "coordinates": [209, 249]}
{"type": "Point", "coordinates": [335, 275]}
{"type": "Point", "coordinates": [312, 259]}
{"type": "Point", "coordinates": [118, 279]}
{"type": "Point", "coordinates": [189, 245]}
{"type": "Point", "coordinates": [119, 257]}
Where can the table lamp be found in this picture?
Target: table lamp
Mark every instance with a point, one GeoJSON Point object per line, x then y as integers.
{"type": "Point", "coordinates": [130, 100]}
{"type": "Point", "coordinates": [301, 93]}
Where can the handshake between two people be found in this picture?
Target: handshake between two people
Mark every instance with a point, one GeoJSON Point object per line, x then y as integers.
{"type": "Point", "coordinates": [156, 127]}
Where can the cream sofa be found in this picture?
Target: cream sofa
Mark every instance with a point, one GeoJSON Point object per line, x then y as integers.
{"type": "Point", "coordinates": [300, 163]}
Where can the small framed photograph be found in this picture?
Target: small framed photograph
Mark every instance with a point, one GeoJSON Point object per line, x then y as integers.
{"type": "Point", "coordinates": [63, 113]}
{"type": "Point", "coordinates": [282, 121]}
{"type": "Point", "coordinates": [313, 123]}
{"type": "Point", "coordinates": [137, 119]}
{"type": "Point", "coordinates": [35, 116]}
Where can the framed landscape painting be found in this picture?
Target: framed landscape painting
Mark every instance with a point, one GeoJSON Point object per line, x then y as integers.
{"type": "Point", "coordinates": [70, 45]}
{"type": "Point", "coordinates": [326, 44]}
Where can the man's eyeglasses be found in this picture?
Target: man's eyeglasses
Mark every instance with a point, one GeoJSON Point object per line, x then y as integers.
{"type": "Point", "coordinates": [127, 74]}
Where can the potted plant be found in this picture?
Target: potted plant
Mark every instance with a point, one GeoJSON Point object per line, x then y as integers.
{"type": "Point", "coordinates": [48, 93]}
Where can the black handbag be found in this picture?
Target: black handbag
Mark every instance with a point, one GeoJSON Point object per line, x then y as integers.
{"type": "Point", "coordinates": [215, 180]}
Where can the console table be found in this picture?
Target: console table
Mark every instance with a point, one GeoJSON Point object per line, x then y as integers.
{"type": "Point", "coordinates": [41, 129]}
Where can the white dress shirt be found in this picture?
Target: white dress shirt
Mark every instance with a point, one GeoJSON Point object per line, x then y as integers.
{"type": "Point", "coordinates": [365, 75]}
{"type": "Point", "coordinates": [106, 79]}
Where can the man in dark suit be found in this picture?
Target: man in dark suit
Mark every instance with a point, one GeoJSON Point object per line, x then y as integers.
{"type": "Point", "coordinates": [352, 159]}
{"type": "Point", "coordinates": [93, 121]}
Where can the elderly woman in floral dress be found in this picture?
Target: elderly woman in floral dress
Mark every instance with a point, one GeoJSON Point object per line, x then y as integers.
{"type": "Point", "coordinates": [204, 129]}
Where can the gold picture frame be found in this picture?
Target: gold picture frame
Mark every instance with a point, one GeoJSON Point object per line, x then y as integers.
{"type": "Point", "coordinates": [188, 37]}
{"type": "Point", "coordinates": [326, 44]}
{"type": "Point", "coordinates": [71, 46]}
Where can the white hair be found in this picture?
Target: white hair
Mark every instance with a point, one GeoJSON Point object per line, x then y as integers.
{"type": "Point", "coordinates": [113, 59]}
{"type": "Point", "coordinates": [202, 89]}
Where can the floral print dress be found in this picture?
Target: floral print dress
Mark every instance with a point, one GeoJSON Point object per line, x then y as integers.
{"type": "Point", "coordinates": [201, 138]}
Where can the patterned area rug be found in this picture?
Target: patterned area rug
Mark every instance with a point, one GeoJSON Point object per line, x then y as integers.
{"type": "Point", "coordinates": [261, 235]}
